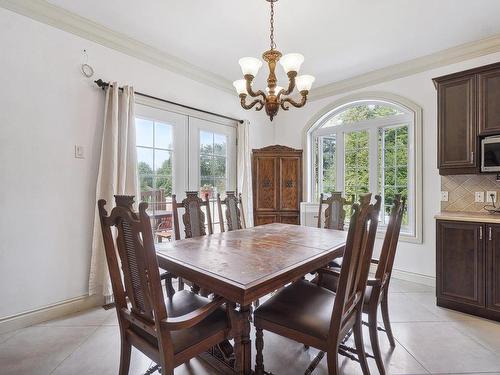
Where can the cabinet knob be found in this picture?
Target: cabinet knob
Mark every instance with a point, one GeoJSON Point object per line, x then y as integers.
{"type": "Point", "coordinates": [266, 183]}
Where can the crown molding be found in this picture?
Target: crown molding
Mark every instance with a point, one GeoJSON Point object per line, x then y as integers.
{"type": "Point", "coordinates": [62, 19]}
{"type": "Point", "coordinates": [55, 16]}
{"type": "Point", "coordinates": [448, 56]}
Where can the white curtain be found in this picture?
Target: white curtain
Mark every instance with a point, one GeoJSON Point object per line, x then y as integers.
{"type": "Point", "coordinates": [245, 170]}
{"type": "Point", "coordinates": [117, 174]}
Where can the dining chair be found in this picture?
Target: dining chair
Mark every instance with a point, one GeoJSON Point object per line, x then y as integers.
{"type": "Point", "coordinates": [316, 316]}
{"type": "Point", "coordinates": [234, 215]}
{"type": "Point", "coordinates": [193, 219]}
{"type": "Point", "coordinates": [334, 215]}
{"type": "Point", "coordinates": [168, 331]}
{"type": "Point", "coordinates": [335, 212]}
{"type": "Point", "coordinates": [377, 287]}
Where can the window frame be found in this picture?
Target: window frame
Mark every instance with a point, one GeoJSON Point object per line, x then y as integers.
{"type": "Point", "coordinates": [412, 115]}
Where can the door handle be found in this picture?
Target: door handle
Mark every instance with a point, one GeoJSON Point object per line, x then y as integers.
{"type": "Point", "coordinates": [480, 233]}
{"type": "Point", "coordinates": [490, 234]}
{"type": "Point", "coordinates": [472, 156]}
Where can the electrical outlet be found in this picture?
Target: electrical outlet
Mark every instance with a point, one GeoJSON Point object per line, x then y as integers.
{"type": "Point", "coordinates": [489, 194]}
{"type": "Point", "coordinates": [444, 196]}
{"type": "Point", "coordinates": [479, 197]}
{"type": "Point", "coordinates": [79, 152]}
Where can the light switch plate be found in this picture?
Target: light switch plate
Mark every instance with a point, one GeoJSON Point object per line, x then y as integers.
{"type": "Point", "coordinates": [488, 196]}
{"type": "Point", "coordinates": [479, 197]}
{"type": "Point", "coordinates": [444, 196]}
{"type": "Point", "coordinates": [79, 152]}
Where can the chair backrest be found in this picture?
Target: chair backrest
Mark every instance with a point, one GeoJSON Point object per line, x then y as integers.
{"type": "Point", "coordinates": [233, 213]}
{"type": "Point", "coordinates": [388, 253]}
{"type": "Point", "coordinates": [356, 261]}
{"type": "Point", "coordinates": [193, 217]}
{"type": "Point", "coordinates": [335, 212]}
{"type": "Point", "coordinates": [134, 245]}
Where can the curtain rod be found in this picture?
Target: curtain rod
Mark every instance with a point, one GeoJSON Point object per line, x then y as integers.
{"type": "Point", "coordinates": [103, 85]}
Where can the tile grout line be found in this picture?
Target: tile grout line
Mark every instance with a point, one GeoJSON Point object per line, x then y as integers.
{"type": "Point", "coordinates": [411, 355]}
{"type": "Point", "coordinates": [77, 347]}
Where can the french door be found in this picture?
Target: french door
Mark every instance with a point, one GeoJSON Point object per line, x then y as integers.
{"type": "Point", "coordinates": [178, 152]}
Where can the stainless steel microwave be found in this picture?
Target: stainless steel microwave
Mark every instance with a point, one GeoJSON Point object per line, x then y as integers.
{"type": "Point", "coordinates": [490, 154]}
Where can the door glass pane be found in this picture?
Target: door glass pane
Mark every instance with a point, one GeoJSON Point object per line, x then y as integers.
{"type": "Point", "coordinates": [163, 136]}
{"type": "Point", "coordinates": [163, 162]}
{"type": "Point", "coordinates": [154, 164]}
{"type": "Point", "coordinates": [206, 142]}
{"type": "Point", "coordinates": [213, 171]}
{"type": "Point", "coordinates": [145, 160]}
{"type": "Point", "coordinates": [220, 144]}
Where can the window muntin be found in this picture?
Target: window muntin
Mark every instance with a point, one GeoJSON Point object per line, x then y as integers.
{"type": "Point", "coordinates": [373, 152]}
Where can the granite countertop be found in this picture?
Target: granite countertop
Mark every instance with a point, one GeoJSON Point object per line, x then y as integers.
{"type": "Point", "coordinates": [482, 217]}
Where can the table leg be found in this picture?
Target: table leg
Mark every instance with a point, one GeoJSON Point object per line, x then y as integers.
{"type": "Point", "coordinates": [243, 344]}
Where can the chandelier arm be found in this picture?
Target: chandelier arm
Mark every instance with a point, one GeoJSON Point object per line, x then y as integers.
{"type": "Point", "coordinates": [291, 85]}
{"type": "Point", "coordinates": [293, 102]}
{"type": "Point", "coordinates": [252, 104]}
{"type": "Point", "coordinates": [253, 94]}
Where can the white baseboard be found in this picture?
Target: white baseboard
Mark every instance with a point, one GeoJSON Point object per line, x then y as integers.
{"type": "Point", "coordinates": [409, 276]}
{"type": "Point", "coordinates": [414, 277]}
{"type": "Point", "coordinates": [42, 314]}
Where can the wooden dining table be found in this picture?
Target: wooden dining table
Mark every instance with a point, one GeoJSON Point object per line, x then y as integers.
{"type": "Point", "coordinates": [245, 265]}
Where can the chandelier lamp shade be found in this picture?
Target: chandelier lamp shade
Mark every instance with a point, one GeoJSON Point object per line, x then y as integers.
{"type": "Point", "coordinates": [274, 96]}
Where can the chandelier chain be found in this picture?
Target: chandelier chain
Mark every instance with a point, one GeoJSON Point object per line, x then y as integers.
{"type": "Point", "coordinates": [273, 44]}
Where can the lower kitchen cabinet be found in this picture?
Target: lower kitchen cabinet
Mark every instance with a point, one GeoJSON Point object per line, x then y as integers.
{"type": "Point", "coordinates": [493, 267]}
{"type": "Point", "coordinates": [468, 267]}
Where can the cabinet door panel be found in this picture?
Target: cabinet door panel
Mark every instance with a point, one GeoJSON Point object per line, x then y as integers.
{"type": "Point", "coordinates": [457, 131]}
{"type": "Point", "coordinates": [460, 262]}
{"type": "Point", "coordinates": [290, 219]}
{"type": "Point", "coordinates": [290, 191]}
{"type": "Point", "coordinates": [493, 267]}
{"type": "Point", "coordinates": [489, 102]}
{"type": "Point", "coordinates": [261, 219]}
{"type": "Point", "coordinates": [265, 183]}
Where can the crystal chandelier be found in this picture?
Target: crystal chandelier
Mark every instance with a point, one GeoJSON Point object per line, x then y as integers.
{"type": "Point", "coordinates": [275, 96]}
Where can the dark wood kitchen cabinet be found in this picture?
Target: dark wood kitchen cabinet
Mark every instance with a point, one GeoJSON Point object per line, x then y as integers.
{"type": "Point", "coordinates": [489, 102]}
{"type": "Point", "coordinates": [468, 267]}
{"type": "Point", "coordinates": [457, 129]}
{"type": "Point", "coordinates": [277, 184]}
{"type": "Point", "coordinates": [468, 105]}
{"type": "Point", "coordinates": [493, 267]}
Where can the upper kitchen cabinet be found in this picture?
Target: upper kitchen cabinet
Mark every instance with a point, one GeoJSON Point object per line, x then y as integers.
{"type": "Point", "coordinates": [489, 102]}
{"type": "Point", "coordinates": [457, 134]}
{"type": "Point", "coordinates": [468, 108]}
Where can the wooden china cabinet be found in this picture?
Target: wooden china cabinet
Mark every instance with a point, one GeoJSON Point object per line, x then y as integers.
{"type": "Point", "coordinates": [277, 185]}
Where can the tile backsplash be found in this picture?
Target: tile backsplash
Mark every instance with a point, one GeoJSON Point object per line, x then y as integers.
{"type": "Point", "coordinates": [461, 190]}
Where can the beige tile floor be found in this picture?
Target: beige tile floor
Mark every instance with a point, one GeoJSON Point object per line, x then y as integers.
{"type": "Point", "coordinates": [430, 340]}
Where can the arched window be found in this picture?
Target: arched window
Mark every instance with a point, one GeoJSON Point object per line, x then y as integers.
{"type": "Point", "coordinates": [369, 145]}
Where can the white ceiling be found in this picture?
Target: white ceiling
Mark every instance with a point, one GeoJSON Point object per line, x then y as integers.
{"type": "Point", "coordinates": [339, 38]}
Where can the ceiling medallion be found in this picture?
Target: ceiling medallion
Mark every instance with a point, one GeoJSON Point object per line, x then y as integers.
{"type": "Point", "coordinates": [276, 96]}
